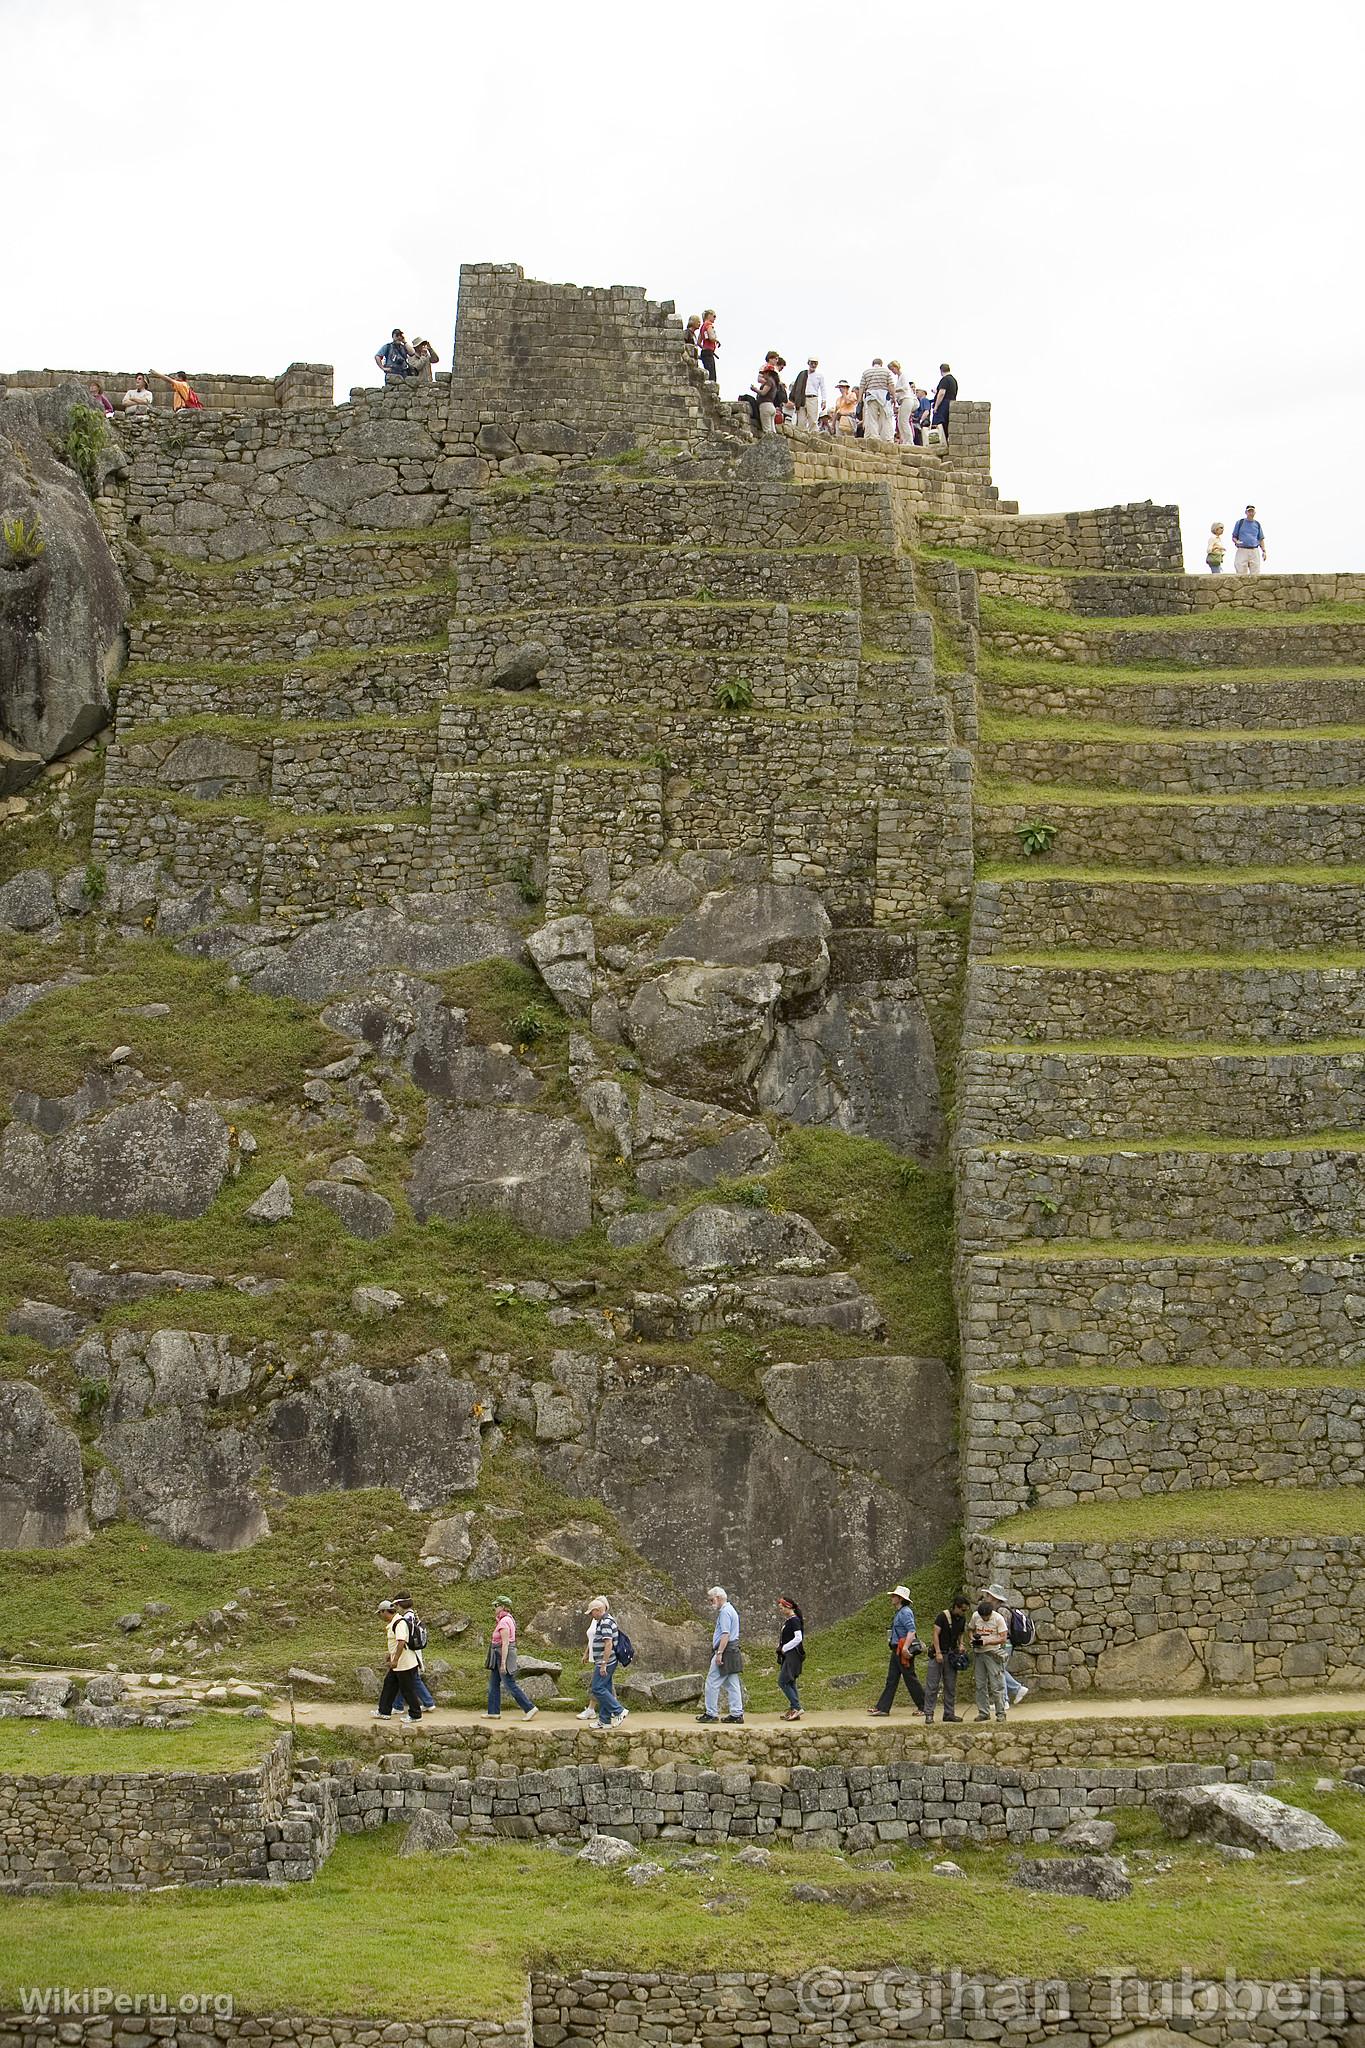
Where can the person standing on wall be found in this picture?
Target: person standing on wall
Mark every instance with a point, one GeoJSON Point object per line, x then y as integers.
{"type": "Point", "coordinates": [808, 395]}
{"type": "Point", "coordinates": [393, 358]}
{"type": "Point", "coordinates": [726, 1661]}
{"type": "Point", "coordinates": [1248, 539]}
{"type": "Point", "coordinates": [502, 1665]}
{"type": "Point", "coordinates": [903, 1644]}
{"type": "Point", "coordinates": [946, 1658]}
{"type": "Point", "coordinates": [791, 1654]}
{"type": "Point", "coordinates": [1216, 549]}
{"type": "Point", "coordinates": [944, 393]}
{"type": "Point", "coordinates": [901, 401]}
{"type": "Point", "coordinates": [707, 343]}
{"type": "Point", "coordinates": [874, 387]}
{"type": "Point", "coordinates": [400, 1674]}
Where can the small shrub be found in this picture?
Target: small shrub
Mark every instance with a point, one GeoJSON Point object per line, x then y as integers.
{"type": "Point", "coordinates": [1035, 836]}
{"type": "Point", "coordinates": [528, 1025]}
{"type": "Point", "coordinates": [754, 1194]}
{"type": "Point", "coordinates": [96, 881]}
{"type": "Point", "coordinates": [87, 437]}
{"type": "Point", "coordinates": [92, 1398]}
{"type": "Point", "coordinates": [657, 757]}
{"type": "Point", "coordinates": [1045, 1205]}
{"type": "Point", "coordinates": [24, 539]}
{"type": "Point", "coordinates": [735, 696]}
{"type": "Point", "coordinates": [528, 888]}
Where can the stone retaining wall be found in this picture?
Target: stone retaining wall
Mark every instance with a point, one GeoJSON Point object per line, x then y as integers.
{"type": "Point", "coordinates": [1143, 537]}
{"type": "Point", "coordinates": [286, 632]}
{"type": "Point", "coordinates": [555, 574]}
{"type": "Point", "coordinates": [663, 512]}
{"type": "Point", "coordinates": [1239, 1314]}
{"type": "Point", "coordinates": [1171, 834]}
{"type": "Point", "coordinates": [1057, 1447]}
{"type": "Point", "coordinates": [320, 572]}
{"type": "Point", "coordinates": [171, 2029]}
{"type": "Point", "coordinates": [848, 1806]}
{"type": "Point", "coordinates": [1179, 767]}
{"type": "Point", "coordinates": [384, 682]}
{"type": "Point", "coordinates": [1256, 1615]}
{"type": "Point", "coordinates": [1255, 1004]}
{"type": "Point", "coordinates": [1237, 702]}
{"type": "Point", "coordinates": [1310, 643]}
{"type": "Point", "coordinates": [1122, 595]}
{"type": "Point", "coordinates": [1169, 915]}
{"type": "Point", "coordinates": [301, 385]}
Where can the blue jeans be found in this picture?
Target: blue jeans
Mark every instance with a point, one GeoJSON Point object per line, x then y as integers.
{"type": "Point", "coordinates": [786, 1685]}
{"type": "Point", "coordinates": [609, 1708]}
{"type": "Point", "coordinates": [503, 1681]}
{"type": "Point", "coordinates": [1013, 1685]}
{"type": "Point", "coordinates": [715, 1684]}
{"type": "Point", "coordinates": [423, 1692]}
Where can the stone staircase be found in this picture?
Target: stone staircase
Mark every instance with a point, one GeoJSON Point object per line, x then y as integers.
{"type": "Point", "coordinates": [1161, 1203]}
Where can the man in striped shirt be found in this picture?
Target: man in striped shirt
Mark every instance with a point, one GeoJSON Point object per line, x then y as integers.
{"type": "Point", "coordinates": [603, 1649]}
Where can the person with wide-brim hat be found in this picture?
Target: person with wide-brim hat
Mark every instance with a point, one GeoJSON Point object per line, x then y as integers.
{"type": "Point", "coordinates": [903, 1643]}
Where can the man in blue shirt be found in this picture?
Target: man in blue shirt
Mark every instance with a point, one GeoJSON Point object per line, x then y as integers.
{"type": "Point", "coordinates": [901, 1631]}
{"type": "Point", "coordinates": [1248, 539]}
{"type": "Point", "coordinates": [393, 359]}
{"type": "Point", "coordinates": [726, 1661]}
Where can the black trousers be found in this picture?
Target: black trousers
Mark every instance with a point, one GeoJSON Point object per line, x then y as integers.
{"type": "Point", "coordinates": [708, 363]}
{"type": "Point", "coordinates": [895, 1672]}
{"type": "Point", "coordinates": [400, 1684]}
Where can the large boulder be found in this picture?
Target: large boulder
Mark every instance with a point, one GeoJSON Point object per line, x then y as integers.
{"type": "Point", "coordinates": [148, 1156]}
{"type": "Point", "coordinates": [717, 1238]}
{"type": "Point", "coordinates": [424, 934]}
{"type": "Point", "coordinates": [42, 1490]}
{"type": "Point", "coordinates": [187, 1471]}
{"type": "Point", "coordinates": [565, 952]}
{"type": "Point", "coordinates": [1247, 1819]}
{"type": "Point", "coordinates": [418, 1434]}
{"type": "Point", "coordinates": [863, 1062]}
{"type": "Point", "coordinates": [534, 1170]}
{"type": "Point", "coordinates": [705, 1028]}
{"type": "Point", "coordinates": [1086, 1877]}
{"type": "Point", "coordinates": [61, 616]}
{"type": "Point", "coordinates": [777, 922]}
{"type": "Point", "coordinates": [405, 1021]}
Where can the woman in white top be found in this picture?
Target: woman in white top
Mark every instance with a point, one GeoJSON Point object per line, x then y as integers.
{"type": "Point", "coordinates": [138, 396]}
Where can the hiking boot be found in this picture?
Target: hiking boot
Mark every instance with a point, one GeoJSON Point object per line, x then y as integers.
{"type": "Point", "coordinates": [708, 1717]}
{"type": "Point", "coordinates": [732, 1720]}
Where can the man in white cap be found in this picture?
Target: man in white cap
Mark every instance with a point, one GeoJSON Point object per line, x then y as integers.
{"type": "Point", "coordinates": [903, 1644]}
{"type": "Point", "coordinates": [400, 1671]}
{"type": "Point", "coordinates": [1015, 1690]}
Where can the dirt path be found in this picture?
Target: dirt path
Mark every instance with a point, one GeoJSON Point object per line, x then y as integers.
{"type": "Point", "coordinates": [347, 1714]}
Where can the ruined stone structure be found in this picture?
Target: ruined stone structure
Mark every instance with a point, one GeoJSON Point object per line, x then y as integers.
{"type": "Point", "coordinates": [1073, 829]}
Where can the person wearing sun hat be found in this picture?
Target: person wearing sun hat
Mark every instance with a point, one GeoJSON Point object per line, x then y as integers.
{"type": "Point", "coordinates": [845, 408]}
{"type": "Point", "coordinates": [903, 1644]}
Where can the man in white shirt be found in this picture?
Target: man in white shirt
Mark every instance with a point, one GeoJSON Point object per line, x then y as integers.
{"type": "Point", "coordinates": [902, 399]}
{"type": "Point", "coordinates": [875, 387]}
{"type": "Point", "coordinates": [811, 399]}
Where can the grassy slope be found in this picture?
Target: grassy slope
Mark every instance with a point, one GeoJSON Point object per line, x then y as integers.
{"type": "Point", "coordinates": [466, 1929]}
{"type": "Point", "coordinates": [1230, 1511]}
{"type": "Point", "coordinates": [212, 1742]}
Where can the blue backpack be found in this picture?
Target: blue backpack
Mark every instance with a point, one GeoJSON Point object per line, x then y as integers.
{"type": "Point", "coordinates": [625, 1648]}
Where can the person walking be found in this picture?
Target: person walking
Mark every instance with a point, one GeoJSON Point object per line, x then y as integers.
{"type": "Point", "coordinates": [604, 1634]}
{"type": "Point", "coordinates": [990, 1637]}
{"type": "Point", "coordinates": [707, 343]}
{"type": "Point", "coordinates": [1018, 1632]}
{"type": "Point", "coordinates": [417, 1643]}
{"type": "Point", "coordinates": [1216, 550]}
{"type": "Point", "coordinates": [904, 1646]}
{"type": "Point", "coordinates": [808, 395]}
{"type": "Point", "coordinates": [791, 1654]}
{"type": "Point", "coordinates": [946, 1658]}
{"type": "Point", "coordinates": [727, 1661]}
{"type": "Point", "coordinates": [400, 1671]}
{"type": "Point", "coordinates": [1248, 540]}
{"type": "Point", "coordinates": [502, 1665]}
{"type": "Point", "coordinates": [874, 387]}
{"type": "Point", "coordinates": [945, 392]}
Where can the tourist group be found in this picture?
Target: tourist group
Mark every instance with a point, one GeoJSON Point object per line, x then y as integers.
{"type": "Point", "coordinates": [884, 404]}
{"type": "Point", "coordinates": [982, 1637]}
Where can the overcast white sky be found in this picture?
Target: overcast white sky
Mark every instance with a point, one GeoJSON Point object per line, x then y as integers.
{"type": "Point", "coordinates": [1135, 229]}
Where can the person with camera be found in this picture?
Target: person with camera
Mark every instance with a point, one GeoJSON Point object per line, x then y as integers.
{"type": "Point", "coordinates": [990, 1642]}
{"type": "Point", "coordinates": [904, 1645]}
{"type": "Point", "coordinates": [946, 1658]}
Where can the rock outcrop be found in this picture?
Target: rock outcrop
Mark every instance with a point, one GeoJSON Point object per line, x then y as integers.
{"type": "Point", "coordinates": [42, 1490]}
{"type": "Point", "coordinates": [151, 1155]}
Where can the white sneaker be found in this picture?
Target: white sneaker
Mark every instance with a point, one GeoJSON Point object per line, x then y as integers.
{"type": "Point", "coordinates": [1022, 1694]}
{"type": "Point", "coordinates": [530, 1713]}
{"type": "Point", "coordinates": [588, 1714]}
{"type": "Point", "coordinates": [624, 1714]}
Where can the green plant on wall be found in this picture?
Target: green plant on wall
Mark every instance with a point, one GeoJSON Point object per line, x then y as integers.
{"type": "Point", "coordinates": [87, 438]}
{"type": "Point", "coordinates": [1036, 837]}
{"type": "Point", "coordinates": [24, 539]}
{"type": "Point", "coordinates": [734, 696]}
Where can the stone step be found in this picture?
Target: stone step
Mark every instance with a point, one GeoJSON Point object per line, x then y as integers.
{"type": "Point", "coordinates": [1292, 699]}
{"type": "Point", "coordinates": [531, 575]}
{"type": "Point", "coordinates": [355, 565]}
{"type": "Point", "coordinates": [1167, 1191]}
{"type": "Point", "coordinates": [1118, 592]}
{"type": "Point", "coordinates": [1270, 1308]}
{"type": "Point", "coordinates": [1275, 1001]}
{"type": "Point", "coordinates": [483, 648]}
{"type": "Point", "coordinates": [1052, 1446]}
{"type": "Point", "coordinates": [1299, 830]}
{"type": "Point", "coordinates": [1174, 764]}
{"type": "Point", "coordinates": [386, 683]}
{"type": "Point", "coordinates": [1027, 1094]}
{"type": "Point", "coordinates": [287, 632]}
{"type": "Point", "coordinates": [1277, 641]}
{"type": "Point", "coordinates": [662, 511]}
{"type": "Point", "coordinates": [1204, 910]}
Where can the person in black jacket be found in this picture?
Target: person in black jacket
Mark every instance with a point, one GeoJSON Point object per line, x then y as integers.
{"type": "Point", "coordinates": [791, 1654]}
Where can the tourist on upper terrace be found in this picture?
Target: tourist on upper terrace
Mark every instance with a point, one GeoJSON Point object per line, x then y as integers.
{"type": "Point", "coordinates": [990, 1638]}
{"type": "Point", "coordinates": [874, 387]}
{"type": "Point", "coordinates": [138, 397]}
{"type": "Point", "coordinates": [808, 394]}
{"type": "Point", "coordinates": [946, 1658]}
{"type": "Point", "coordinates": [422, 358]}
{"type": "Point", "coordinates": [1216, 550]}
{"type": "Point", "coordinates": [791, 1654]}
{"type": "Point", "coordinates": [771, 392]}
{"type": "Point", "coordinates": [900, 399]}
{"type": "Point", "coordinates": [400, 1667]}
{"type": "Point", "coordinates": [393, 358]}
{"type": "Point", "coordinates": [184, 397]}
{"type": "Point", "coordinates": [1248, 540]}
{"type": "Point", "coordinates": [707, 343]}
{"type": "Point", "coordinates": [690, 333]}
{"type": "Point", "coordinates": [904, 1646]}
{"type": "Point", "coordinates": [726, 1663]}
{"type": "Point", "coordinates": [944, 393]}
{"type": "Point", "coordinates": [502, 1665]}
{"type": "Point", "coordinates": [604, 1634]}
{"type": "Point", "coordinates": [845, 408]}
{"type": "Point", "coordinates": [105, 405]}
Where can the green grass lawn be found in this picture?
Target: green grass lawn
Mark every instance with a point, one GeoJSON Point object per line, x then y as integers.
{"type": "Point", "coordinates": [1228, 1511]}
{"type": "Point", "coordinates": [211, 1742]}
{"type": "Point", "coordinates": [1014, 614]}
{"type": "Point", "coordinates": [1022, 670]}
{"type": "Point", "coordinates": [456, 1935]}
{"type": "Point", "coordinates": [1002, 726]}
{"type": "Point", "coordinates": [1158, 960]}
{"type": "Point", "coordinates": [1089, 1148]}
{"type": "Point", "coordinates": [1190, 876]}
{"type": "Point", "coordinates": [1176, 1048]}
{"type": "Point", "coordinates": [994, 790]}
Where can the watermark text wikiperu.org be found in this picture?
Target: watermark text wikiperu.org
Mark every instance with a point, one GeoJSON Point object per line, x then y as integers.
{"type": "Point", "coordinates": [101, 2001]}
{"type": "Point", "coordinates": [902, 1997]}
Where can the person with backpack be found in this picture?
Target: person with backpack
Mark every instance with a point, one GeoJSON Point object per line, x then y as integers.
{"type": "Point", "coordinates": [990, 1641]}
{"type": "Point", "coordinates": [791, 1654]}
{"type": "Point", "coordinates": [607, 1639]}
{"type": "Point", "coordinates": [502, 1665]}
{"type": "Point", "coordinates": [904, 1645]}
{"type": "Point", "coordinates": [1248, 544]}
{"type": "Point", "coordinates": [400, 1672]}
{"type": "Point", "coordinates": [727, 1661]}
{"type": "Point", "coordinates": [1021, 1633]}
{"type": "Point", "coordinates": [417, 1642]}
{"type": "Point", "coordinates": [770, 391]}
{"type": "Point", "coordinates": [946, 1658]}
{"type": "Point", "coordinates": [808, 395]}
